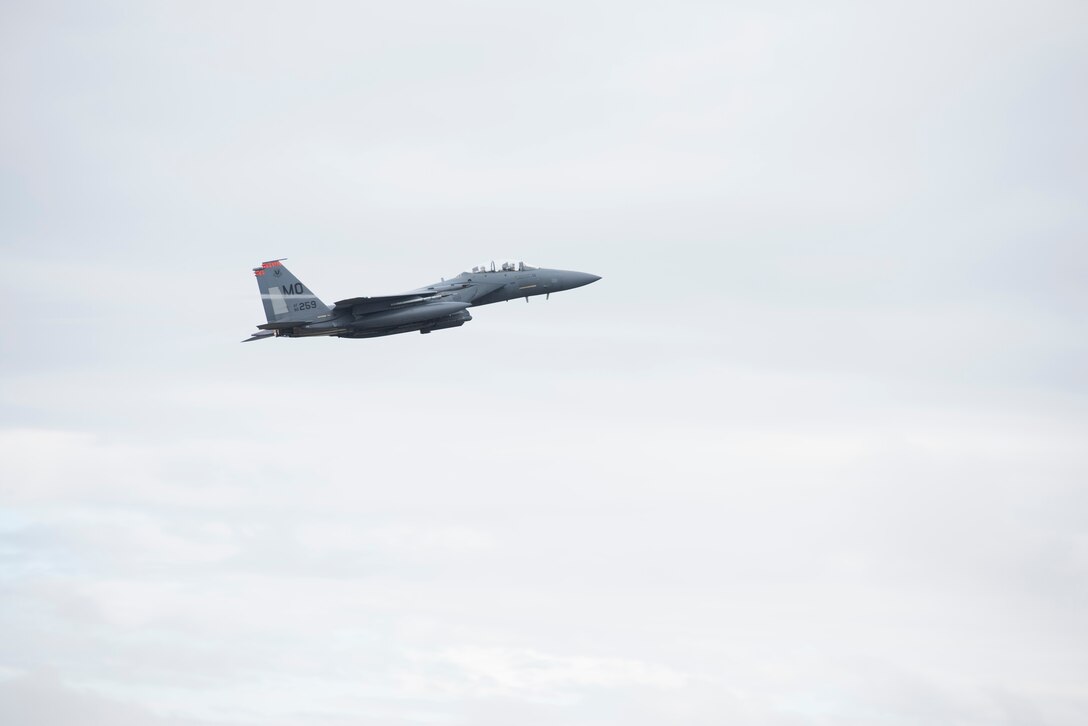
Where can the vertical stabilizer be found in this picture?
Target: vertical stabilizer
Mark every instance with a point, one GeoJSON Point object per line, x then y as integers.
{"type": "Point", "coordinates": [285, 298]}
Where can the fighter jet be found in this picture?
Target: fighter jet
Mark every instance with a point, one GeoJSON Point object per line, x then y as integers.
{"type": "Point", "coordinates": [293, 311]}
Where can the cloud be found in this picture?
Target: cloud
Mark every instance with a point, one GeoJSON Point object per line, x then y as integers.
{"type": "Point", "coordinates": [505, 672]}
{"type": "Point", "coordinates": [42, 697]}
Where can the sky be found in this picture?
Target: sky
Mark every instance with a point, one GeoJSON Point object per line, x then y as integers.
{"type": "Point", "coordinates": [812, 451]}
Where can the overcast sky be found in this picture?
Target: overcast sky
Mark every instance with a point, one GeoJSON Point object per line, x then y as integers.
{"type": "Point", "coordinates": [811, 452]}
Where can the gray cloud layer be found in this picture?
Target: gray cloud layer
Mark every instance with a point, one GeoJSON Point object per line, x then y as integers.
{"type": "Point", "coordinates": [810, 453]}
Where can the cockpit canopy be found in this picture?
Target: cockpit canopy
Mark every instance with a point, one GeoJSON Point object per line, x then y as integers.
{"type": "Point", "coordinates": [506, 267]}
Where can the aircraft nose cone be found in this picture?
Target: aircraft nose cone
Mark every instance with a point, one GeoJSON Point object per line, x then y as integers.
{"type": "Point", "coordinates": [577, 279]}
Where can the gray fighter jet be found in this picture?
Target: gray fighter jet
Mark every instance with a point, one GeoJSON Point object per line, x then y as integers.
{"type": "Point", "coordinates": [295, 312]}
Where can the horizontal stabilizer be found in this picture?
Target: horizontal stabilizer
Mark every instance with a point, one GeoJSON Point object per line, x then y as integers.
{"type": "Point", "coordinates": [285, 325]}
{"type": "Point", "coordinates": [261, 335]}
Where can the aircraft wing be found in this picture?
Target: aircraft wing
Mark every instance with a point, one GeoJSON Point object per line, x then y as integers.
{"type": "Point", "coordinates": [365, 305]}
